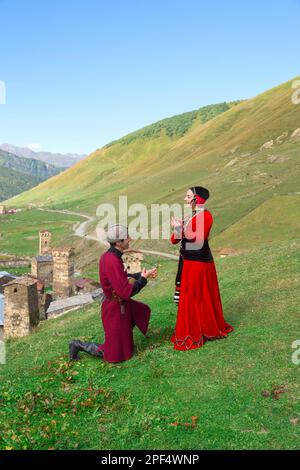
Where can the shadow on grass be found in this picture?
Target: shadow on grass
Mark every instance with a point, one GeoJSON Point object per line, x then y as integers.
{"type": "Point", "coordinates": [235, 311]}
{"type": "Point", "coordinates": [155, 338]}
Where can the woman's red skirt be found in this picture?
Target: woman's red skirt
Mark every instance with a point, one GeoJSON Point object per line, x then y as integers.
{"type": "Point", "coordinates": [200, 313]}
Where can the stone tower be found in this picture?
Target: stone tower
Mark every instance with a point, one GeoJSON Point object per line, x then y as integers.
{"type": "Point", "coordinates": [42, 268]}
{"type": "Point", "coordinates": [45, 242]}
{"type": "Point", "coordinates": [63, 272]}
{"type": "Point", "coordinates": [21, 307]}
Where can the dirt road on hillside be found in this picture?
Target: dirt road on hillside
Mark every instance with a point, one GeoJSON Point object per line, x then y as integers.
{"type": "Point", "coordinates": [80, 230]}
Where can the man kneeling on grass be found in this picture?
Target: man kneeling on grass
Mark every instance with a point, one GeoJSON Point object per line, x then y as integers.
{"type": "Point", "coordinates": [119, 312]}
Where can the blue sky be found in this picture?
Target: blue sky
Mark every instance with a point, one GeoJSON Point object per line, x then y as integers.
{"type": "Point", "coordinates": [79, 74]}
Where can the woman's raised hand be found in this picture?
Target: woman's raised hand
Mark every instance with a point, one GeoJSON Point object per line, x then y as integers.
{"type": "Point", "coordinates": [176, 223]}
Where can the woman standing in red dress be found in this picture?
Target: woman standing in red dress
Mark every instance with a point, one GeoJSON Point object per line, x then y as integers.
{"type": "Point", "coordinates": [200, 314]}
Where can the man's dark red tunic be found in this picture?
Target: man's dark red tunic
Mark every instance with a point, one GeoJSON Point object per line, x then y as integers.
{"type": "Point", "coordinates": [119, 312]}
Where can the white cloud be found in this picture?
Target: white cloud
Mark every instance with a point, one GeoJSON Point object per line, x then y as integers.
{"type": "Point", "coordinates": [34, 147]}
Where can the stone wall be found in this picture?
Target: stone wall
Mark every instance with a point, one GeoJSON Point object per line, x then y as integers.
{"type": "Point", "coordinates": [15, 263]}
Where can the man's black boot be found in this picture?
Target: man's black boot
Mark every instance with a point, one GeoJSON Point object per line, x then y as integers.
{"type": "Point", "coordinates": [91, 348]}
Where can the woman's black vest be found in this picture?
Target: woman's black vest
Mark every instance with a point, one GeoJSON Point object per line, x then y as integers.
{"type": "Point", "coordinates": [198, 254]}
{"type": "Point", "coordinates": [202, 254]}
{"type": "Point", "coordinates": [190, 251]}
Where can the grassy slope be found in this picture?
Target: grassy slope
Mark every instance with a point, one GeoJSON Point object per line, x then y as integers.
{"type": "Point", "coordinates": [48, 403]}
{"type": "Point", "coordinates": [20, 232]}
{"type": "Point", "coordinates": [223, 153]}
{"type": "Point", "coordinates": [108, 168]}
{"type": "Point", "coordinates": [273, 221]}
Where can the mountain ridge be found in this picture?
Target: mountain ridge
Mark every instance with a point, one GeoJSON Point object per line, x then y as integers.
{"type": "Point", "coordinates": [19, 174]}
{"type": "Point", "coordinates": [56, 159]}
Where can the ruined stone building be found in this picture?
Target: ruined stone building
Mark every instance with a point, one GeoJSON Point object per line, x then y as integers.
{"type": "Point", "coordinates": [21, 307]}
{"type": "Point", "coordinates": [25, 298]}
{"type": "Point", "coordinates": [63, 272]}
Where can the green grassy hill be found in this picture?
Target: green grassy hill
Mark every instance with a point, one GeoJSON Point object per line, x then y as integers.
{"type": "Point", "coordinates": [81, 186]}
{"type": "Point", "coordinates": [238, 393]}
{"type": "Point", "coordinates": [28, 223]}
{"type": "Point", "coordinates": [221, 147]}
{"type": "Point", "coordinates": [275, 220]}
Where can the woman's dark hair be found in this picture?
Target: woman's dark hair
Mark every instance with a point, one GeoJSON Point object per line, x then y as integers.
{"type": "Point", "coordinates": [200, 191]}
